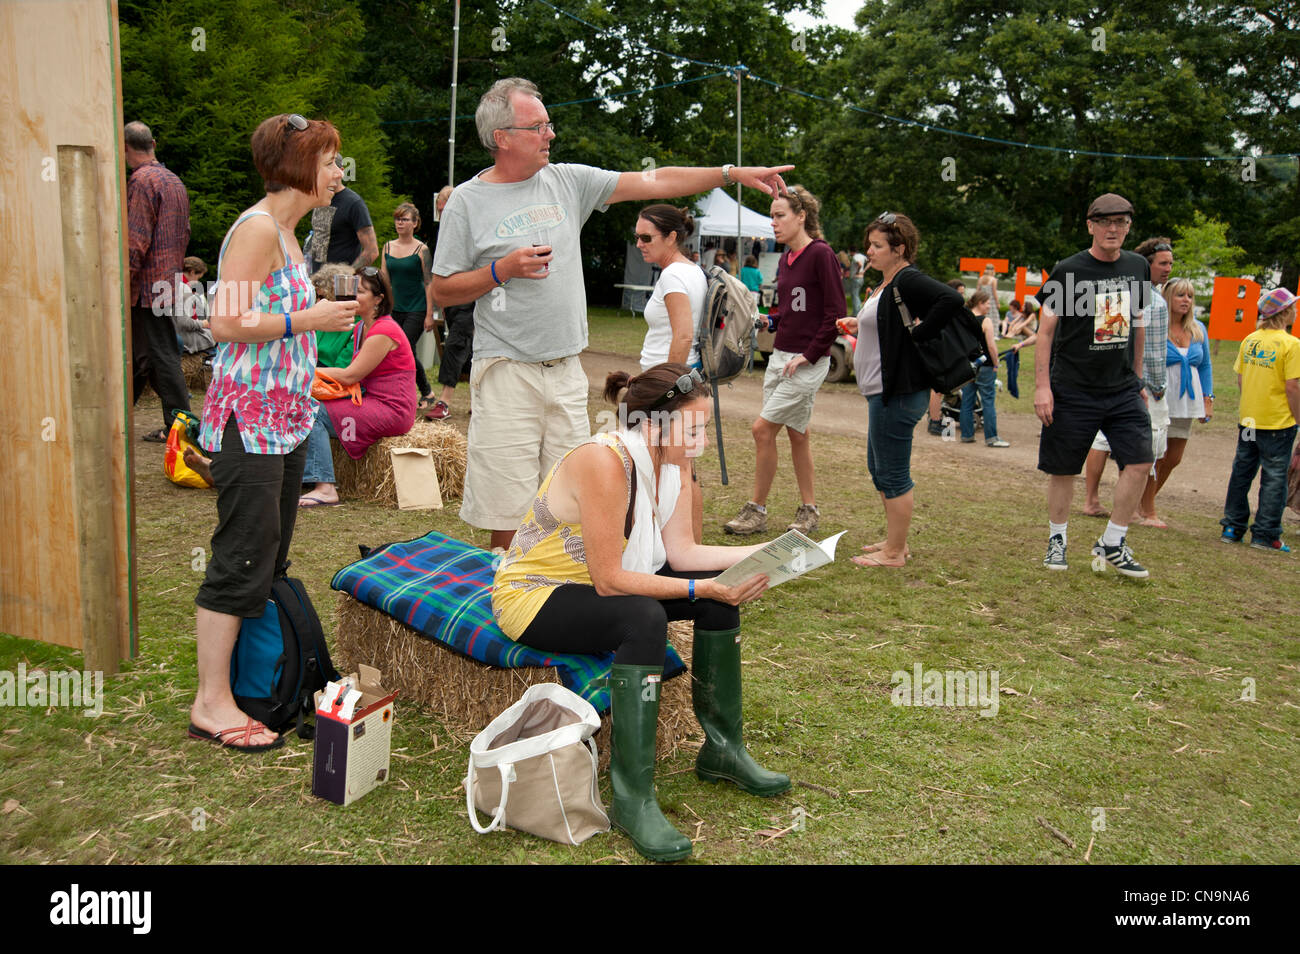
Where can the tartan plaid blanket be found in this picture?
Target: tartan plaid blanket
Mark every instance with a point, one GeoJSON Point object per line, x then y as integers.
{"type": "Point", "coordinates": [442, 588]}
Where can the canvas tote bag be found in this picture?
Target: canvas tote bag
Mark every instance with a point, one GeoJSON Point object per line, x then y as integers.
{"type": "Point", "coordinates": [534, 768]}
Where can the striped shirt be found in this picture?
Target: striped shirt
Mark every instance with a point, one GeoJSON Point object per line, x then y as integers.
{"type": "Point", "coordinates": [266, 385]}
{"type": "Point", "coordinates": [158, 229]}
{"type": "Point", "coordinates": [1154, 373]}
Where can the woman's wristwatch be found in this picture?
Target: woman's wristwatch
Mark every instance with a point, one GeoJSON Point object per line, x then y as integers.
{"type": "Point", "coordinates": [726, 174]}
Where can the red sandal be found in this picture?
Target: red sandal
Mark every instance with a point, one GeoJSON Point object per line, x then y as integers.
{"type": "Point", "coordinates": [239, 740]}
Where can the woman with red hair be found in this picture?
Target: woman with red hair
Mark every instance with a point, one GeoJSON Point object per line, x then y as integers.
{"type": "Point", "coordinates": [259, 410]}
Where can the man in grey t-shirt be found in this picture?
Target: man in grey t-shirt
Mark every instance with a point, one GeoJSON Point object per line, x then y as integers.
{"type": "Point", "coordinates": [509, 241]}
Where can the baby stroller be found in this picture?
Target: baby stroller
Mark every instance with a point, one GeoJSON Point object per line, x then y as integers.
{"type": "Point", "coordinates": [952, 400]}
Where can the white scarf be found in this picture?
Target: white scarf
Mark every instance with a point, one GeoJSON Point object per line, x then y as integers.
{"type": "Point", "coordinates": [645, 545]}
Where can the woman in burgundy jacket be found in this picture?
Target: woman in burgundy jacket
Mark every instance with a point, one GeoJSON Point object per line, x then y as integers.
{"type": "Point", "coordinates": [810, 299]}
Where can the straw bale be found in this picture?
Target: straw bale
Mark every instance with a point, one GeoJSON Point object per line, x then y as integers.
{"type": "Point", "coordinates": [197, 374]}
{"type": "Point", "coordinates": [467, 695]}
{"type": "Point", "coordinates": [371, 477]}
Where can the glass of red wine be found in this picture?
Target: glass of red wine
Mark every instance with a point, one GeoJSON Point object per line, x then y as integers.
{"type": "Point", "coordinates": [346, 287]}
{"type": "Point", "coordinates": [542, 240]}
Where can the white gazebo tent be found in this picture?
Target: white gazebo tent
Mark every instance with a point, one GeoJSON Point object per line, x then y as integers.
{"type": "Point", "coordinates": [717, 217]}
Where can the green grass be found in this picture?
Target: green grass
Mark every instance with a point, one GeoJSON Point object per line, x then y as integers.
{"type": "Point", "coordinates": [618, 332]}
{"type": "Point", "coordinates": [1126, 696]}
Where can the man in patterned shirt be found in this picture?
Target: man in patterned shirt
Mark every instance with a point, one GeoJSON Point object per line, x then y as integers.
{"type": "Point", "coordinates": [1159, 253]}
{"type": "Point", "coordinates": [158, 226]}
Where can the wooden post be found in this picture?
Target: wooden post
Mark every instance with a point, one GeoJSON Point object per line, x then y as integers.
{"type": "Point", "coordinates": [65, 490]}
{"type": "Point", "coordinates": [91, 404]}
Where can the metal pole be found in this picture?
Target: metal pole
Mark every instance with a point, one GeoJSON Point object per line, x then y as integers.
{"type": "Point", "coordinates": [717, 408]}
{"type": "Point", "coordinates": [455, 63]}
{"type": "Point", "coordinates": [739, 74]}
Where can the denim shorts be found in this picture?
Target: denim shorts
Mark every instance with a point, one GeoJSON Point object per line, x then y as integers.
{"type": "Point", "coordinates": [889, 440]}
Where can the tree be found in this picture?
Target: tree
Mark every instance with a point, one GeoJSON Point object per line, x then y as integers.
{"type": "Point", "coordinates": [203, 76]}
{"type": "Point", "coordinates": [1203, 252]}
{"type": "Point", "coordinates": [1103, 78]}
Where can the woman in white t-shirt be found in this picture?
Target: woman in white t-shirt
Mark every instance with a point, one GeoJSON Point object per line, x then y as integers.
{"type": "Point", "coordinates": [673, 311]}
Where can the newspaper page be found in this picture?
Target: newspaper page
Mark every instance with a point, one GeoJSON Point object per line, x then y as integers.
{"type": "Point", "coordinates": [789, 556]}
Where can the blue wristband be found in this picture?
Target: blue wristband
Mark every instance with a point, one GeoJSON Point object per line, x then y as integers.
{"type": "Point", "coordinates": [493, 266]}
{"type": "Point", "coordinates": [288, 326]}
{"type": "Point", "coordinates": [690, 590]}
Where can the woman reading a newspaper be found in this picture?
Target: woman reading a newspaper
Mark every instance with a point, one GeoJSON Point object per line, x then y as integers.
{"type": "Point", "coordinates": [605, 558]}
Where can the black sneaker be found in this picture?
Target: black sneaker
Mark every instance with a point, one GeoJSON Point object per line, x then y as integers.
{"type": "Point", "coordinates": [1055, 559]}
{"type": "Point", "coordinates": [1120, 557]}
{"type": "Point", "coordinates": [935, 428]}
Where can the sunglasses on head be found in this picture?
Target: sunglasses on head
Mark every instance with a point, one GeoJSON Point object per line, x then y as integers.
{"type": "Point", "coordinates": [369, 271]}
{"type": "Point", "coordinates": [1163, 247]}
{"type": "Point", "coordinates": [887, 218]}
{"type": "Point", "coordinates": [683, 385]}
{"type": "Point", "coordinates": [298, 122]}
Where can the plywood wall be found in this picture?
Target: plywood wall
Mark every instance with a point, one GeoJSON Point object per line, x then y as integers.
{"type": "Point", "coordinates": [64, 456]}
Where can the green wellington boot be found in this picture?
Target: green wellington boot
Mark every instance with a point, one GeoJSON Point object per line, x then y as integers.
{"type": "Point", "coordinates": [634, 712]}
{"type": "Point", "coordinates": [715, 692]}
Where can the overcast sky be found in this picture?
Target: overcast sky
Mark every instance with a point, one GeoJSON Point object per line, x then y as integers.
{"type": "Point", "coordinates": [838, 13]}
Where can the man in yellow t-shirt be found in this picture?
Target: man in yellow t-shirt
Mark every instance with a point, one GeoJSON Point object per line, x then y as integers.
{"type": "Point", "coordinates": [1268, 373]}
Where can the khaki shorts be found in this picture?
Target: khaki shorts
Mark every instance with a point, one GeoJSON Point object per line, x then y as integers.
{"type": "Point", "coordinates": [1159, 411]}
{"type": "Point", "coordinates": [789, 400]}
{"type": "Point", "coordinates": [526, 416]}
{"type": "Point", "coordinates": [1180, 428]}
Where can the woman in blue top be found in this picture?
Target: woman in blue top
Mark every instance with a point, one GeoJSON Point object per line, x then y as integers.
{"type": "Point", "coordinates": [1190, 386]}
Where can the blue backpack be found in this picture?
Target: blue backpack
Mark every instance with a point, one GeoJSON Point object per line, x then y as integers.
{"type": "Point", "coordinates": [281, 660]}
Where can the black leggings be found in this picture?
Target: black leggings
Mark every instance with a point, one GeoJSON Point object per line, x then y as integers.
{"type": "Point", "coordinates": [574, 619]}
{"type": "Point", "coordinates": [412, 325]}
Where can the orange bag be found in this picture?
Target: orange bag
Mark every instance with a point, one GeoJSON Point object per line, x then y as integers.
{"type": "Point", "coordinates": [325, 388]}
{"type": "Point", "coordinates": [174, 466]}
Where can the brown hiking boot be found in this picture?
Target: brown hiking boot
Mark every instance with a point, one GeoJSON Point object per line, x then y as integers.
{"type": "Point", "coordinates": [805, 519]}
{"type": "Point", "coordinates": [749, 520]}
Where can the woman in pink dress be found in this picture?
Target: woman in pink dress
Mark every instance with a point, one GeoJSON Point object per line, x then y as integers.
{"type": "Point", "coordinates": [384, 366]}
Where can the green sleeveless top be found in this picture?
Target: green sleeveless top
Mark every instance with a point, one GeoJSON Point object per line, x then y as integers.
{"type": "Point", "coordinates": [407, 275]}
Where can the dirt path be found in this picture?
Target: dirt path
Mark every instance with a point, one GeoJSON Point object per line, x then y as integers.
{"type": "Point", "coordinates": [1199, 483]}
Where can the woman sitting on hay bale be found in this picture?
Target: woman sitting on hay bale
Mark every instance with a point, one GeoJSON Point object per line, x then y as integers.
{"type": "Point", "coordinates": [384, 366]}
{"type": "Point", "coordinates": [604, 558]}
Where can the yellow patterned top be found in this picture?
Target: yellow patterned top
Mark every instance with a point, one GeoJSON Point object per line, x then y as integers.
{"type": "Point", "coordinates": [546, 553]}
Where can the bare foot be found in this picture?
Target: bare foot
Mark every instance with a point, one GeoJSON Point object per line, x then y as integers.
{"type": "Point", "coordinates": [877, 547]}
{"type": "Point", "coordinates": [1095, 511]}
{"type": "Point", "coordinates": [877, 559]}
{"type": "Point", "coordinates": [322, 495]}
{"type": "Point", "coordinates": [199, 464]}
{"type": "Point", "coordinates": [1154, 521]}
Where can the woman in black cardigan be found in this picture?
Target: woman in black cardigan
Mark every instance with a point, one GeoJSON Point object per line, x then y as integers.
{"type": "Point", "coordinates": [890, 373]}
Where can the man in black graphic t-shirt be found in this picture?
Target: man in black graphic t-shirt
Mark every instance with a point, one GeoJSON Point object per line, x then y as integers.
{"type": "Point", "coordinates": [342, 232]}
{"type": "Point", "coordinates": [1088, 371]}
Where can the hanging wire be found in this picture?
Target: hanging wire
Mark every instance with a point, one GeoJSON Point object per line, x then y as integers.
{"type": "Point", "coordinates": [574, 102]}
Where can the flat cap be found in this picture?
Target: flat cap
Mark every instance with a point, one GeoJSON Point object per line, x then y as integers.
{"type": "Point", "coordinates": [1110, 204]}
